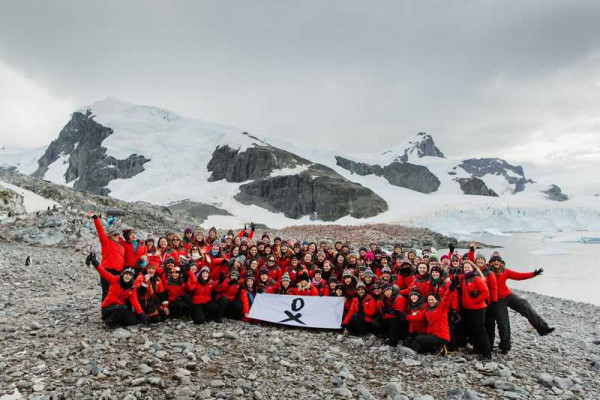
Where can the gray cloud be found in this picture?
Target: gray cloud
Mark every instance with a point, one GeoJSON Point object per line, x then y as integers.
{"type": "Point", "coordinates": [482, 77]}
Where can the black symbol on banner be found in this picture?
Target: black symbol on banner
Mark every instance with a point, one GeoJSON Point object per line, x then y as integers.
{"type": "Point", "coordinates": [297, 305]}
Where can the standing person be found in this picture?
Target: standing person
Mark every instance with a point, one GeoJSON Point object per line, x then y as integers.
{"type": "Point", "coordinates": [304, 287]}
{"type": "Point", "coordinates": [284, 287]}
{"type": "Point", "coordinates": [120, 299]}
{"type": "Point", "coordinates": [134, 251]}
{"type": "Point", "coordinates": [113, 254]}
{"type": "Point", "coordinates": [201, 290]}
{"type": "Point", "coordinates": [436, 315]}
{"type": "Point", "coordinates": [475, 293]}
{"type": "Point", "coordinates": [508, 299]}
{"type": "Point", "coordinates": [492, 302]}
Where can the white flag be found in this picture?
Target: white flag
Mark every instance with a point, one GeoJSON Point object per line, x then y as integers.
{"type": "Point", "coordinates": [302, 311]}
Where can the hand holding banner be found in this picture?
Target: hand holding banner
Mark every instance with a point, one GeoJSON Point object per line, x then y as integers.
{"type": "Point", "coordinates": [303, 311]}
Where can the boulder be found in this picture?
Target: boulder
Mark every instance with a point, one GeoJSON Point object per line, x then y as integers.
{"type": "Point", "coordinates": [411, 176]}
{"type": "Point", "coordinates": [475, 186]}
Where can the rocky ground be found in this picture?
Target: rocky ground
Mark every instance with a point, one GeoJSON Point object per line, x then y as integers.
{"type": "Point", "coordinates": [54, 346]}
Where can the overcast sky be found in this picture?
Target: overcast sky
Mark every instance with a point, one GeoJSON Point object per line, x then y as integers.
{"type": "Point", "coordinates": [513, 79]}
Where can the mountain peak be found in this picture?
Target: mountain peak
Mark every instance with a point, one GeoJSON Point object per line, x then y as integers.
{"type": "Point", "coordinates": [424, 146]}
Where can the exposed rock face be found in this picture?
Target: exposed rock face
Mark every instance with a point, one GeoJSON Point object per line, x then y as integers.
{"type": "Point", "coordinates": [495, 166]}
{"type": "Point", "coordinates": [423, 147]}
{"type": "Point", "coordinates": [406, 175]}
{"type": "Point", "coordinates": [81, 140]}
{"type": "Point", "coordinates": [199, 211]}
{"type": "Point", "coordinates": [554, 193]}
{"type": "Point", "coordinates": [318, 192]}
{"type": "Point", "coordinates": [11, 202]}
{"type": "Point", "coordinates": [475, 186]}
{"type": "Point", "coordinates": [359, 168]}
{"type": "Point", "coordinates": [410, 176]}
{"type": "Point", "coordinates": [253, 163]}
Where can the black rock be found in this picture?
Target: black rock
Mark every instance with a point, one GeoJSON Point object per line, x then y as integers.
{"type": "Point", "coordinates": [411, 176]}
{"type": "Point", "coordinates": [475, 186]}
{"type": "Point", "coordinates": [554, 193]}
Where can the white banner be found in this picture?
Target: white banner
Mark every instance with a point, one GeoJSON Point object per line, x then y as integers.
{"type": "Point", "coordinates": [302, 311]}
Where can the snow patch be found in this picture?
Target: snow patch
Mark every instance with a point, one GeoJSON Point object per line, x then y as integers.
{"type": "Point", "coordinates": [31, 201]}
{"type": "Point", "coordinates": [57, 170]}
{"type": "Point", "coordinates": [289, 171]}
{"type": "Point", "coordinates": [549, 252]}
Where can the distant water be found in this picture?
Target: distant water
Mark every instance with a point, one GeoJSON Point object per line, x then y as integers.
{"type": "Point", "coordinates": [570, 261]}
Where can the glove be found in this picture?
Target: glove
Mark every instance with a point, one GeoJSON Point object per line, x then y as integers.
{"type": "Point", "coordinates": [245, 226]}
{"type": "Point", "coordinates": [222, 277]}
{"type": "Point", "coordinates": [93, 260]}
{"type": "Point", "coordinates": [224, 261]}
{"type": "Point", "coordinates": [252, 226]}
{"type": "Point", "coordinates": [451, 247]}
{"type": "Point", "coordinates": [538, 271]}
{"type": "Point", "coordinates": [454, 284]}
{"type": "Point", "coordinates": [143, 318]}
{"type": "Point", "coordinates": [400, 314]}
{"type": "Point", "coordinates": [474, 294]}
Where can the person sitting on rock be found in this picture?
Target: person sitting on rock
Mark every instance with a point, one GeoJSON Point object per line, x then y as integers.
{"type": "Point", "coordinates": [361, 312]}
{"type": "Point", "coordinates": [392, 311]}
{"type": "Point", "coordinates": [120, 299]}
{"type": "Point", "coordinates": [417, 325]}
{"type": "Point", "coordinates": [231, 297]}
{"type": "Point", "coordinates": [436, 315]}
{"type": "Point", "coordinates": [152, 295]}
{"type": "Point", "coordinates": [177, 293]}
{"type": "Point", "coordinates": [201, 290]}
{"type": "Point", "coordinates": [113, 254]}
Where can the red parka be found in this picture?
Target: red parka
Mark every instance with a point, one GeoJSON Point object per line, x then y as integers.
{"type": "Point", "coordinates": [116, 294]}
{"type": "Point", "coordinates": [503, 276]}
{"type": "Point", "coordinates": [367, 305]}
{"type": "Point", "coordinates": [112, 252]}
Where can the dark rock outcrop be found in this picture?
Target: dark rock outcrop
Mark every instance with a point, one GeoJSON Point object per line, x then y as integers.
{"type": "Point", "coordinates": [496, 166]}
{"type": "Point", "coordinates": [199, 211]}
{"type": "Point", "coordinates": [359, 168]}
{"type": "Point", "coordinates": [475, 186]}
{"type": "Point", "coordinates": [81, 139]}
{"type": "Point", "coordinates": [11, 202]}
{"type": "Point", "coordinates": [318, 192]}
{"type": "Point", "coordinates": [253, 163]}
{"type": "Point", "coordinates": [423, 147]}
{"type": "Point", "coordinates": [411, 176]}
{"type": "Point", "coordinates": [554, 193]}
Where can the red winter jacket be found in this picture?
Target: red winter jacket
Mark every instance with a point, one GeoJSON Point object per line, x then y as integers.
{"type": "Point", "coordinates": [474, 284]}
{"type": "Point", "coordinates": [417, 323]}
{"type": "Point", "coordinates": [404, 282]}
{"type": "Point", "coordinates": [116, 294]}
{"type": "Point", "coordinates": [233, 292]}
{"type": "Point", "coordinates": [278, 289]}
{"type": "Point", "coordinates": [387, 308]}
{"type": "Point", "coordinates": [112, 252]}
{"type": "Point", "coordinates": [421, 283]}
{"type": "Point", "coordinates": [503, 276]}
{"type": "Point", "coordinates": [437, 318]}
{"type": "Point", "coordinates": [310, 291]}
{"type": "Point", "coordinates": [201, 292]}
{"type": "Point", "coordinates": [492, 284]}
{"type": "Point", "coordinates": [368, 305]}
{"type": "Point", "coordinates": [176, 291]}
{"type": "Point", "coordinates": [131, 255]}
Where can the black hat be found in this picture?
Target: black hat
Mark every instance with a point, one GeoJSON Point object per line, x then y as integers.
{"type": "Point", "coordinates": [302, 277]}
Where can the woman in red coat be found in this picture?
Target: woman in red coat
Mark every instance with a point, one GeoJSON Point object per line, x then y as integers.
{"type": "Point", "coordinates": [284, 287]}
{"type": "Point", "coordinates": [304, 287]}
{"type": "Point", "coordinates": [362, 310]}
{"type": "Point", "coordinates": [392, 310]}
{"type": "Point", "coordinates": [436, 315]}
{"type": "Point", "coordinates": [474, 297]}
{"type": "Point", "coordinates": [417, 324]}
{"type": "Point", "coordinates": [231, 297]}
{"type": "Point", "coordinates": [201, 290]}
{"type": "Point", "coordinates": [508, 299]}
{"type": "Point", "coordinates": [113, 254]}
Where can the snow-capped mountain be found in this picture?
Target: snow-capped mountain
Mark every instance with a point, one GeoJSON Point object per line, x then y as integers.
{"type": "Point", "coordinates": [145, 153]}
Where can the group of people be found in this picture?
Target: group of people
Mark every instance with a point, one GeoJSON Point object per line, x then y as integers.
{"type": "Point", "coordinates": [429, 303]}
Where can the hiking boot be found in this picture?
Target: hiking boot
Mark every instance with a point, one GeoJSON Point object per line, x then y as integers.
{"type": "Point", "coordinates": [443, 351]}
{"type": "Point", "coordinates": [547, 331]}
{"type": "Point", "coordinates": [391, 342]}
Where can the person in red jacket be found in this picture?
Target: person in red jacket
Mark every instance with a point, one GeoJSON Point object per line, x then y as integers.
{"type": "Point", "coordinates": [152, 295]}
{"type": "Point", "coordinates": [284, 287]}
{"type": "Point", "coordinates": [362, 310]}
{"type": "Point", "coordinates": [436, 315]}
{"type": "Point", "coordinates": [475, 294]}
{"type": "Point", "coordinates": [201, 290]}
{"type": "Point", "coordinates": [134, 251]}
{"type": "Point", "coordinates": [392, 309]}
{"type": "Point", "coordinates": [304, 287]}
{"type": "Point", "coordinates": [508, 299]}
{"type": "Point", "coordinates": [177, 293]}
{"type": "Point", "coordinates": [492, 302]}
{"type": "Point", "coordinates": [417, 325]}
{"type": "Point", "coordinates": [231, 297]}
{"type": "Point", "coordinates": [120, 299]}
{"type": "Point", "coordinates": [113, 254]}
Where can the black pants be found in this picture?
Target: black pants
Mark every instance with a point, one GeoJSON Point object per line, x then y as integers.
{"type": "Point", "coordinates": [395, 328]}
{"type": "Point", "coordinates": [523, 307]}
{"type": "Point", "coordinates": [475, 326]}
{"type": "Point", "coordinates": [105, 284]}
{"type": "Point", "coordinates": [490, 322]}
{"type": "Point", "coordinates": [427, 344]}
{"type": "Point", "coordinates": [180, 307]}
{"type": "Point", "coordinates": [358, 326]}
{"type": "Point", "coordinates": [230, 309]}
{"type": "Point", "coordinates": [457, 330]}
{"type": "Point", "coordinates": [204, 312]}
{"type": "Point", "coordinates": [116, 315]}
